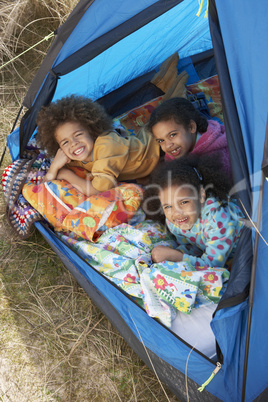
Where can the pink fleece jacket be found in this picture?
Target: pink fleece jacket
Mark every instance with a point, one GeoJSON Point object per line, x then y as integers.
{"type": "Point", "coordinates": [213, 140]}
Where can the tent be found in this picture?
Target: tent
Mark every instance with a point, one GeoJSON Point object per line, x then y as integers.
{"type": "Point", "coordinates": [108, 50]}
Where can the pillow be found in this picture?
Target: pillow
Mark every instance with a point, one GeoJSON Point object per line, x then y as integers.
{"type": "Point", "coordinates": [211, 88]}
{"type": "Point", "coordinates": [134, 119]}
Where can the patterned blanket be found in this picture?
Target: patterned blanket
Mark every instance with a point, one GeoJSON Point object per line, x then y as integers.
{"type": "Point", "coordinates": [123, 254]}
{"type": "Point", "coordinates": [20, 213]}
{"type": "Point", "coordinates": [67, 209]}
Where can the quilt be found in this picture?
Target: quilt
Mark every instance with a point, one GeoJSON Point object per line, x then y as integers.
{"type": "Point", "coordinates": [123, 255]}
{"type": "Point", "coordinates": [67, 209]}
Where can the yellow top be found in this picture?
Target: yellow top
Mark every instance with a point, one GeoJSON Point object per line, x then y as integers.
{"type": "Point", "coordinates": [121, 158]}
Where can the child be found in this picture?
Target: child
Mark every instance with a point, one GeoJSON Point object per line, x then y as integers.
{"type": "Point", "coordinates": [193, 194]}
{"type": "Point", "coordinates": [180, 129]}
{"type": "Point", "coordinates": [80, 133]}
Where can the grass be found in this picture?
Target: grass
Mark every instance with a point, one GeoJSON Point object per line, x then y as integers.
{"type": "Point", "coordinates": [55, 344]}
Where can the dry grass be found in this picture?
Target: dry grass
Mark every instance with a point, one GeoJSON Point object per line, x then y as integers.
{"type": "Point", "coordinates": [24, 23]}
{"type": "Point", "coordinates": [55, 344]}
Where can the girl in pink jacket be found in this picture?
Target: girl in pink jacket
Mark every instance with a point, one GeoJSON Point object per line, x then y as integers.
{"type": "Point", "coordinates": [180, 129]}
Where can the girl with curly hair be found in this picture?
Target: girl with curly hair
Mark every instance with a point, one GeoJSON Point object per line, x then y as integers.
{"type": "Point", "coordinates": [192, 193]}
{"type": "Point", "coordinates": [78, 132]}
{"type": "Point", "coordinates": [179, 129]}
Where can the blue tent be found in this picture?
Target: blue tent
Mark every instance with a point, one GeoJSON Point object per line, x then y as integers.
{"type": "Point", "coordinates": [105, 50]}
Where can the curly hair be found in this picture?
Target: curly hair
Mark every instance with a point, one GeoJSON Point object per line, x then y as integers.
{"type": "Point", "coordinates": [89, 114]}
{"type": "Point", "coordinates": [180, 110]}
{"type": "Point", "coordinates": [196, 170]}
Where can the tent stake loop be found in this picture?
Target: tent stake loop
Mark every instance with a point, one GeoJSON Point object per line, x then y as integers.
{"type": "Point", "coordinates": [215, 371]}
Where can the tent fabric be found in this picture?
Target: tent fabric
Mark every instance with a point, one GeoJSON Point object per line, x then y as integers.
{"type": "Point", "coordinates": [247, 64]}
{"type": "Point", "coordinates": [62, 33]}
{"type": "Point", "coordinates": [101, 53]}
{"type": "Point", "coordinates": [148, 46]}
{"type": "Point", "coordinates": [128, 17]}
{"type": "Point", "coordinates": [99, 26]}
{"type": "Point", "coordinates": [231, 119]}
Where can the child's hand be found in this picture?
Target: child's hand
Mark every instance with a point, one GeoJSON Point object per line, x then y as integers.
{"type": "Point", "coordinates": [163, 253]}
{"type": "Point", "coordinates": [58, 162]}
{"type": "Point", "coordinates": [48, 177]}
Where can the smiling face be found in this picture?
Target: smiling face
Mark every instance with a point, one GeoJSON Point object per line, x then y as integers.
{"type": "Point", "coordinates": [173, 138]}
{"type": "Point", "coordinates": [182, 205]}
{"type": "Point", "coordinates": [75, 141]}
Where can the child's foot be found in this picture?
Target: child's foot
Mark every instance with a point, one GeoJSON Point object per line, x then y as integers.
{"type": "Point", "coordinates": [167, 73]}
{"type": "Point", "coordinates": [178, 89]}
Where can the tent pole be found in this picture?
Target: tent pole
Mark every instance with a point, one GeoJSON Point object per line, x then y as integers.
{"type": "Point", "coordinates": [264, 173]}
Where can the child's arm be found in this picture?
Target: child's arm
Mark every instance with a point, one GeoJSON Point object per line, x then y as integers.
{"type": "Point", "coordinates": [82, 185]}
{"type": "Point", "coordinates": [57, 171]}
{"type": "Point", "coordinates": [218, 241]}
{"type": "Point", "coordinates": [164, 253]}
{"type": "Point", "coordinates": [58, 162]}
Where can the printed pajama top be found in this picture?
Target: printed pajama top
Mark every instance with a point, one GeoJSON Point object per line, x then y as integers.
{"type": "Point", "coordinates": [212, 240]}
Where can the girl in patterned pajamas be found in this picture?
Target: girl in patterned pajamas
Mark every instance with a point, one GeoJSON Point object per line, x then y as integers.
{"type": "Point", "coordinates": [192, 192]}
